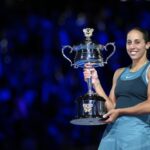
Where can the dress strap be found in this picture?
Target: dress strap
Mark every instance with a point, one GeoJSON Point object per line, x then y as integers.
{"type": "Point", "coordinates": [144, 72]}
{"type": "Point", "coordinates": [146, 67]}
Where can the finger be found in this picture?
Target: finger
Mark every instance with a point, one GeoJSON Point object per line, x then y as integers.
{"type": "Point", "coordinates": [106, 115]}
{"type": "Point", "coordinates": [87, 73]}
{"type": "Point", "coordinates": [86, 69]}
{"type": "Point", "coordinates": [108, 121]}
{"type": "Point", "coordinates": [93, 71]}
{"type": "Point", "coordinates": [88, 65]}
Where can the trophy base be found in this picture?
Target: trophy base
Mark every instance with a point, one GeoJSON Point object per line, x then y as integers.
{"type": "Point", "coordinates": [88, 121]}
{"type": "Point", "coordinates": [90, 110]}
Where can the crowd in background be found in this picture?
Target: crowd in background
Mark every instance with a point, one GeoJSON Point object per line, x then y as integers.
{"type": "Point", "coordinates": [38, 86]}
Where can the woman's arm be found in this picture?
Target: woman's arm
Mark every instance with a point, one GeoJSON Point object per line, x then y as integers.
{"type": "Point", "coordinates": [89, 71]}
{"type": "Point", "coordinates": [111, 99]}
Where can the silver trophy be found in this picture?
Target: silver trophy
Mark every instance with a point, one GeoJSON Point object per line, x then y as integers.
{"type": "Point", "coordinates": [90, 107]}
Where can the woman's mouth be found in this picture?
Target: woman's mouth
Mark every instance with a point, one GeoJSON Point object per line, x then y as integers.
{"type": "Point", "coordinates": [133, 52]}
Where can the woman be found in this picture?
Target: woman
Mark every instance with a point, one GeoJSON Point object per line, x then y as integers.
{"type": "Point", "coordinates": [128, 103]}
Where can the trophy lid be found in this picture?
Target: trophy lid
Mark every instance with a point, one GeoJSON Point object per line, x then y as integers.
{"type": "Point", "coordinates": [88, 32]}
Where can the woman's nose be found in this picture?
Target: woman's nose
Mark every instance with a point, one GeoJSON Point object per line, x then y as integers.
{"type": "Point", "coordinates": [132, 45]}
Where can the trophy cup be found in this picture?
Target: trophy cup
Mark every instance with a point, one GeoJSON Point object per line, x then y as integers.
{"type": "Point", "coordinates": [90, 107]}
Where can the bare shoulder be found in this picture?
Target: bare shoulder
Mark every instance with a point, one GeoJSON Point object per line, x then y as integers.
{"type": "Point", "coordinates": [118, 72]}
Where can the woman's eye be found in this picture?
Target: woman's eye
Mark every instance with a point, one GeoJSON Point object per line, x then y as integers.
{"type": "Point", "coordinates": [137, 42]}
{"type": "Point", "coordinates": [128, 42]}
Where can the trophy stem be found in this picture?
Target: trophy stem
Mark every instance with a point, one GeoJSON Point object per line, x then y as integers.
{"type": "Point", "coordinates": [89, 83]}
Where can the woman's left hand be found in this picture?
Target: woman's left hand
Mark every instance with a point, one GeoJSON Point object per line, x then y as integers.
{"type": "Point", "coordinates": [112, 115]}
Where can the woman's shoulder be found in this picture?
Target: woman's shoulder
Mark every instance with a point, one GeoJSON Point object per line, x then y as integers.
{"type": "Point", "coordinates": [119, 70]}
{"type": "Point", "coordinates": [148, 72]}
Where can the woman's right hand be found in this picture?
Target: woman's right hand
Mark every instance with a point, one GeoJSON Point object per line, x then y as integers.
{"type": "Point", "coordinates": [90, 71]}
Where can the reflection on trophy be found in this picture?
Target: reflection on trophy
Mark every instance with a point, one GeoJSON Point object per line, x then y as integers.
{"type": "Point", "coordinates": [90, 107]}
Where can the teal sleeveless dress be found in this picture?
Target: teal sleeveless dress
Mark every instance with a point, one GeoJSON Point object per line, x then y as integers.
{"type": "Point", "coordinates": [129, 132]}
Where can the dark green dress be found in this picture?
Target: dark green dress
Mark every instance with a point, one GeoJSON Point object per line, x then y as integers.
{"type": "Point", "coordinates": [129, 132]}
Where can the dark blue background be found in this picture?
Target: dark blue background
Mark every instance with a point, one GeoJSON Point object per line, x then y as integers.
{"type": "Point", "coordinates": [38, 86]}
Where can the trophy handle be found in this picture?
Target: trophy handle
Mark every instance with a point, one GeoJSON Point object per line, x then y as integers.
{"type": "Point", "coordinates": [71, 49]}
{"type": "Point", "coordinates": [113, 51]}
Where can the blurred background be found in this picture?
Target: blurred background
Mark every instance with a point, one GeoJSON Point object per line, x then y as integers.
{"type": "Point", "coordinates": [38, 87]}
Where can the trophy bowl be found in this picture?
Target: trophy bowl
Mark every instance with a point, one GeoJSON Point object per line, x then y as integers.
{"type": "Point", "coordinates": [88, 53]}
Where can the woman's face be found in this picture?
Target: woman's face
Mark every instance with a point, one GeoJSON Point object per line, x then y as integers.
{"type": "Point", "coordinates": [136, 45]}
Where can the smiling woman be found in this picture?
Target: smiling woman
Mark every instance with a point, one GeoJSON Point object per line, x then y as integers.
{"type": "Point", "coordinates": [137, 45]}
{"type": "Point", "coordinates": [128, 103]}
